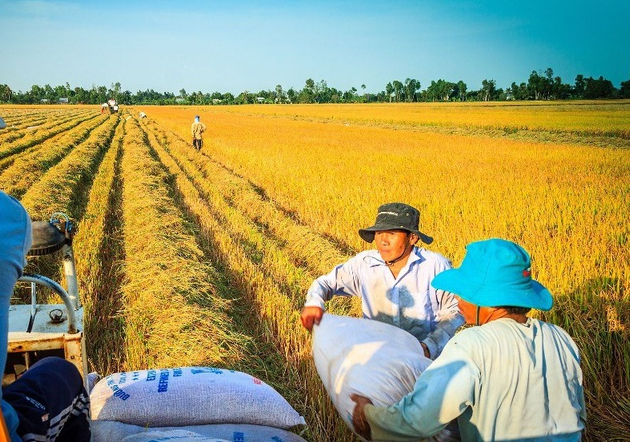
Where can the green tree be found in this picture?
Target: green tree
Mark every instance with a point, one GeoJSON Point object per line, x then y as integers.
{"type": "Point", "coordinates": [280, 97]}
{"type": "Point", "coordinates": [488, 90]}
{"type": "Point", "coordinates": [580, 86]}
{"type": "Point", "coordinates": [535, 85]}
{"type": "Point", "coordinates": [461, 90]}
{"type": "Point", "coordinates": [5, 93]}
{"type": "Point", "coordinates": [292, 95]}
{"type": "Point", "coordinates": [115, 90]}
{"type": "Point", "coordinates": [600, 88]}
{"type": "Point", "coordinates": [389, 89]}
{"type": "Point", "coordinates": [411, 87]}
{"type": "Point", "coordinates": [398, 90]}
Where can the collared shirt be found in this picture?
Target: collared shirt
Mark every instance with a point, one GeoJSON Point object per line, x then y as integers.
{"type": "Point", "coordinates": [197, 129]}
{"type": "Point", "coordinates": [15, 241]}
{"type": "Point", "coordinates": [408, 301]}
{"type": "Point", "coordinates": [503, 381]}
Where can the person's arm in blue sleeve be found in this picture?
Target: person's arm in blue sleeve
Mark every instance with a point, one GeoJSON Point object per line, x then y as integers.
{"type": "Point", "coordinates": [441, 394]}
{"type": "Point", "coordinates": [449, 320]}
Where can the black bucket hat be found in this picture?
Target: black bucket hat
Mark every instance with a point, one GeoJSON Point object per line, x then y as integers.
{"type": "Point", "coordinates": [395, 216]}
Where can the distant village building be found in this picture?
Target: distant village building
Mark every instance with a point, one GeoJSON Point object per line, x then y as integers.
{"type": "Point", "coordinates": [64, 101]}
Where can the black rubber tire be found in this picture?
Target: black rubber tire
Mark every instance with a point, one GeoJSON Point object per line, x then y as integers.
{"type": "Point", "coordinates": [47, 239]}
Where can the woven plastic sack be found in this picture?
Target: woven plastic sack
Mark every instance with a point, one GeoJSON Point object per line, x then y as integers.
{"type": "Point", "coordinates": [109, 431]}
{"type": "Point", "coordinates": [367, 357]}
{"type": "Point", "coordinates": [190, 396]}
{"type": "Point", "coordinates": [170, 436]}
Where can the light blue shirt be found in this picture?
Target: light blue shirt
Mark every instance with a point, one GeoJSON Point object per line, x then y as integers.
{"type": "Point", "coordinates": [15, 241]}
{"type": "Point", "coordinates": [408, 301]}
{"type": "Point", "coordinates": [502, 381]}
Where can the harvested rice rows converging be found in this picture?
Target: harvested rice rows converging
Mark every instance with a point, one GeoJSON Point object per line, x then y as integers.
{"type": "Point", "coordinates": [29, 166]}
{"type": "Point", "coordinates": [29, 138]}
{"type": "Point", "coordinates": [258, 266]}
{"type": "Point", "coordinates": [99, 262]}
{"type": "Point", "coordinates": [172, 311]}
{"type": "Point", "coordinates": [191, 258]}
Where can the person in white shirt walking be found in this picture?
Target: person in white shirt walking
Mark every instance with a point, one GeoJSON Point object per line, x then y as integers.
{"type": "Point", "coordinates": [197, 129]}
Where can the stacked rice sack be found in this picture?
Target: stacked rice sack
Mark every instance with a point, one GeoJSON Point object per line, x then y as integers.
{"type": "Point", "coordinates": [190, 403]}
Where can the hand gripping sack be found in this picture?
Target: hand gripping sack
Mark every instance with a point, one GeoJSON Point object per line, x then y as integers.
{"type": "Point", "coordinates": [190, 396]}
{"type": "Point", "coordinates": [364, 356]}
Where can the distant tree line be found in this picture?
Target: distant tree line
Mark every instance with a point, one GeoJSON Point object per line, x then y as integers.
{"type": "Point", "coordinates": [540, 86]}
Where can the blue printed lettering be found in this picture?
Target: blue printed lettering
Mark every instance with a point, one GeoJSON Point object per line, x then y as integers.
{"type": "Point", "coordinates": [151, 375]}
{"type": "Point", "coordinates": [119, 392]}
{"type": "Point", "coordinates": [206, 370]}
{"type": "Point", "coordinates": [238, 436]}
{"type": "Point", "coordinates": [163, 383]}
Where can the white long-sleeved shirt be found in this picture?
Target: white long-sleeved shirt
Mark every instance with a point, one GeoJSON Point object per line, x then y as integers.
{"type": "Point", "coordinates": [503, 381]}
{"type": "Point", "coordinates": [408, 301]}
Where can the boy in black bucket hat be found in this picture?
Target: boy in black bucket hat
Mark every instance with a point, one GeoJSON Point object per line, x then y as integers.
{"type": "Point", "coordinates": [393, 281]}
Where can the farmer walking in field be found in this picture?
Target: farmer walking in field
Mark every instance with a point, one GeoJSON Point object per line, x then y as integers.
{"type": "Point", "coordinates": [509, 378]}
{"type": "Point", "coordinates": [197, 129]}
{"type": "Point", "coordinates": [393, 281]}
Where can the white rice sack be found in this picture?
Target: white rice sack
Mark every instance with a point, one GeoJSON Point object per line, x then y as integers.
{"type": "Point", "coordinates": [108, 431]}
{"type": "Point", "coordinates": [171, 435]}
{"type": "Point", "coordinates": [190, 396]}
{"type": "Point", "coordinates": [364, 356]}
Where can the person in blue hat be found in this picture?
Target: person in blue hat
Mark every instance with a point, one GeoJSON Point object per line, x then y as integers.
{"type": "Point", "coordinates": [393, 281]}
{"type": "Point", "coordinates": [509, 378]}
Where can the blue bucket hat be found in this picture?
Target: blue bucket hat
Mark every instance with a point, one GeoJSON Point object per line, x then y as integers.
{"type": "Point", "coordinates": [495, 273]}
{"type": "Point", "coordinates": [395, 216]}
{"type": "Point", "coordinates": [2, 123]}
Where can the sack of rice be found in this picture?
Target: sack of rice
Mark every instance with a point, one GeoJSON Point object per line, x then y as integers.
{"type": "Point", "coordinates": [108, 431]}
{"type": "Point", "coordinates": [371, 358]}
{"type": "Point", "coordinates": [190, 396]}
{"type": "Point", "coordinates": [171, 436]}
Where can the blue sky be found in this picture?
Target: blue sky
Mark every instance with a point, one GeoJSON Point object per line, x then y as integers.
{"type": "Point", "coordinates": [232, 46]}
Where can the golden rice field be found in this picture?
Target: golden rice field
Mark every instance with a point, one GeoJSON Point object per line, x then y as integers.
{"type": "Point", "coordinates": [188, 258]}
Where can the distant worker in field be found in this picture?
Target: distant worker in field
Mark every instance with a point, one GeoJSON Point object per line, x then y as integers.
{"type": "Point", "coordinates": [393, 281]}
{"type": "Point", "coordinates": [197, 129]}
{"type": "Point", "coordinates": [509, 378]}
